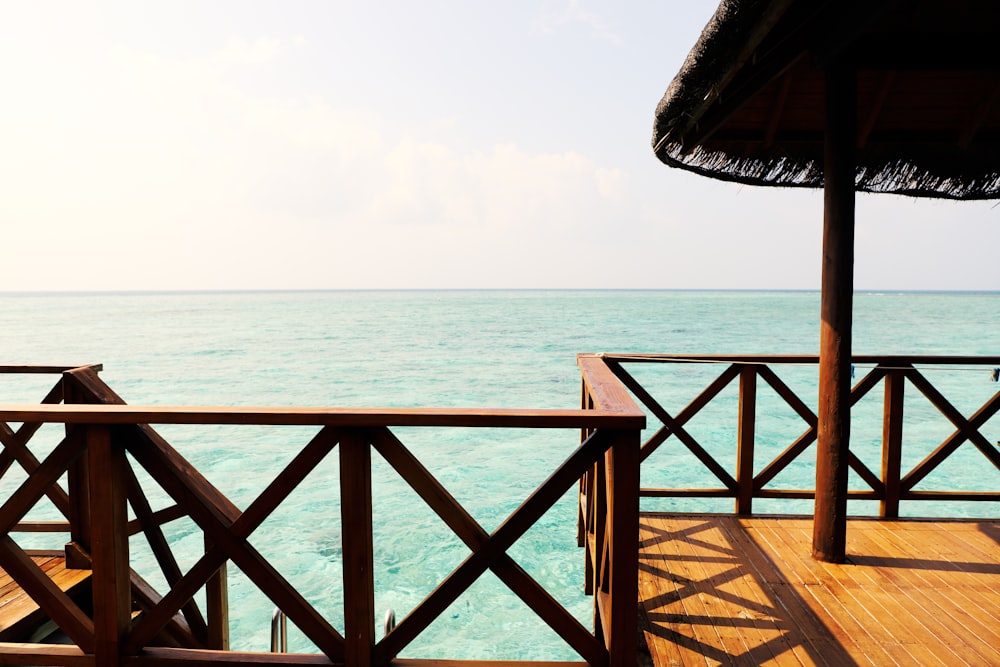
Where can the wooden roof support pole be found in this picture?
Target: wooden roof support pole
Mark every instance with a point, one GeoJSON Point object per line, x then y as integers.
{"type": "Point", "coordinates": [834, 418]}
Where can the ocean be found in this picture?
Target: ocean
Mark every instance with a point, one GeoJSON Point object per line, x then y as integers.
{"type": "Point", "coordinates": [465, 348]}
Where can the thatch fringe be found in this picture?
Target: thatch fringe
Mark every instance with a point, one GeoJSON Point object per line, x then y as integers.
{"type": "Point", "coordinates": [725, 44]}
{"type": "Point", "coordinates": [899, 176]}
{"type": "Point", "coordinates": [923, 165]}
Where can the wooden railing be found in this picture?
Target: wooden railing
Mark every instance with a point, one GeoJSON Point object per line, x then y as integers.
{"type": "Point", "coordinates": [135, 625]}
{"type": "Point", "coordinates": [751, 478]}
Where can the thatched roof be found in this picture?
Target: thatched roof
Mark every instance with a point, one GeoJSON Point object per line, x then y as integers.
{"type": "Point", "coordinates": [748, 104]}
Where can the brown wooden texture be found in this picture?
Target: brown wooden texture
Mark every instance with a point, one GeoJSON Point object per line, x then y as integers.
{"type": "Point", "coordinates": [49, 654]}
{"type": "Point", "coordinates": [217, 607]}
{"type": "Point", "coordinates": [968, 429]}
{"type": "Point", "coordinates": [356, 534]}
{"type": "Point", "coordinates": [56, 604]}
{"type": "Point", "coordinates": [493, 549]}
{"type": "Point", "coordinates": [833, 413]}
{"type": "Point", "coordinates": [474, 536]}
{"type": "Point", "coordinates": [216, 516]}
{"type": "Point", "coordinates": [40, 482]}
{"type": "Point", "coordinates": [874, 482]}
{"type": "Point", "coordinates": [78, 484]}
{"type": "Point", "coordinates": [165, 657]}
{"type": "Point", "coordinates": [322, 416]}
{"type": "Point", "coordinates": [109, 544]}
{"type": "Point", "coordinates": [46, 369]}
{"type": "Point", "coordinates": [623, 533]}
{"type": "Point", "coordinates": [888, 360]}
{"type": "Point", "coordinates": [99, 420]}
{"type": "Point", "coordinates": [745, 440]}
{"type": "Point", "coordinates": [177, 632]}
{"type": "Point", "coordinates": [892, 439]}
{"type": "Point", "coordinates": [15, 448]}
{"type": "Point", "coordinates": [739, 590]}
{"type": "Point", "coordinates": [19, 614]}
{"type": "Point", "coordinates": [161, 550]}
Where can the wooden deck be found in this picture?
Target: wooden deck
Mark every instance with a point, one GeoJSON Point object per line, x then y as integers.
{"type": "Point", "coordinates": [20, 617]}
{"type": "Point", "coordinates": [731, 590]}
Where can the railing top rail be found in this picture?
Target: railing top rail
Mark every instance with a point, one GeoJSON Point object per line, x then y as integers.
{"type": "Point", "coordinates": [45, 369]}
{"type": "Point", "coordinates": [607, 391]}
{"type": "Point", "coordinates": [322, 416]}
{"type": "Point", "coordinates": [884, 359]}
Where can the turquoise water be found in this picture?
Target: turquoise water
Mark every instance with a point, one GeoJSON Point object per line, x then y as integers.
{"type": "Point", "coordinates": [471, 348]}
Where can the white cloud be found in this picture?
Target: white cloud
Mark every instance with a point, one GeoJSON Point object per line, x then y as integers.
{"type": "Point", "coordinates": [201, 168]}
{"type": "Point", "coordinates": [173, 173]}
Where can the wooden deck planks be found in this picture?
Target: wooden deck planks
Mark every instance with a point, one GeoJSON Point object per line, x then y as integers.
{"type": "Point", "coordinates": [722, 589]}
{"type": "Point", "coordinates": [949, 591]}
{"type": "Point", "coordinates": [18, 612]}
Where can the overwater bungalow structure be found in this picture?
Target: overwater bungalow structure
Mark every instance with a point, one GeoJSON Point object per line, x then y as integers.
{"type": "Point", "coordinates": [898, 97]}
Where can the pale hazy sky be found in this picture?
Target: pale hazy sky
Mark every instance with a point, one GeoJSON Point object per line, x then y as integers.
{"type": "Point", "coordinates": [283, 145]}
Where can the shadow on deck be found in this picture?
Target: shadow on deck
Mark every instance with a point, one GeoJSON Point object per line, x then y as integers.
{"type": "Point", "coordinates": [734, 590]}
{"type": "Point", "coordinates": [21, 619]}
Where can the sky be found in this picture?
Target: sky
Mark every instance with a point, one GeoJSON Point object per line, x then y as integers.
{"type": "Point", "coordinates": [190, 145]}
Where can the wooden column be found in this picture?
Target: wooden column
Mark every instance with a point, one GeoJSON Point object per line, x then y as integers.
{"type": "Point", "coordinates": [217, 606]}
{"type": "Point", "coordinates": [109, 545]}
{"type": "Point", "coordinates": [620, 628]}
{"type": "Point", "coordinates": [834, 418]}
{"type": "Point", "coordinates": [892, 443]}
{"type": "Point", "coordinates": [356, 518]}
{"type": "Point", "coordinates": [78, 484]}
{"type": "Point", "coordinates": [745, 440]}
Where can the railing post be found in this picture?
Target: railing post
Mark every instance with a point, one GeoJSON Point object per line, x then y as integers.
{"type": "Point", "coordinates": [583, 501]}
{"type": "Point", "coordinates": [598, 528]}
{"type": "Point", "coordinates": [217, 606]}
{"type": "Point", "coordinates": [78, 490]}
{"type": "Point", "coordinates": [356, 527]}
{"type": "Point", "coordinates": [892, 442]}
{"type": "Point", "coordinates": [621, 626]}
{"type": "Point", "coordinates": [109, 544]}
{"type": "Point", "coordinates": [745, 439]}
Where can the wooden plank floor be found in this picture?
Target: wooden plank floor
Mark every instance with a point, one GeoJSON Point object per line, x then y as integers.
{"type": "Point", "coordinates": [721, 590]}
{"type": "Point", "coordinates": [19, 614]}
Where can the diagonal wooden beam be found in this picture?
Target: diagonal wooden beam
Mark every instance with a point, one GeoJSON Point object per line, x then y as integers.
{"type": "Point", "coordinates": [16, 447]}
{"type": "Point", "coordinates": [546, 495]}
{"type": "Point", "coordinates": [39, 482]}
{"type": "Point", "coordinates": [870, 478]}
{"type": "Point", "coordinates": [161, 550]}
{"type": "Point", "coordinates": [474, 536]}
{"type": "Point", "coordinates": [867, 383]}
{"type": "Point", "coordinates": [786, 393]}
{"type": "Point", "coordinates": [653, 442]}
{"type": "Point", "coordinates": [56, 604]}
{"type": "Point", "coordinates": [771, 470]}
{"type": "Point", "coordinates": [26, 431]}
{"type": "Point", "coordinates": [702, 454]}
{"type": "Point", "coordinates": [711, 391]}
{"type": "Point", "coordinates": [967, 428]}
{"type": "Point", "coordinates": [229, 540]}
{"type": "Point", "coordinates": [674, 425]}
{"type": "Point", "coordinates": [155, 619]}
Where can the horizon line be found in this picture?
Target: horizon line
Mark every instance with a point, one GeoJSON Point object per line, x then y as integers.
{"type": "Point", "coordinates": [306, 290]}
